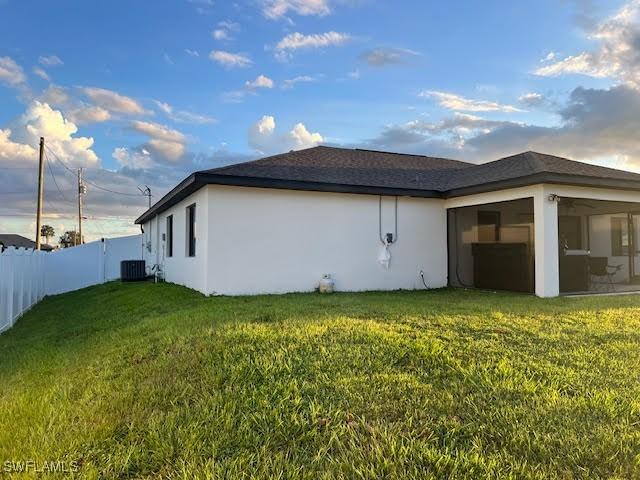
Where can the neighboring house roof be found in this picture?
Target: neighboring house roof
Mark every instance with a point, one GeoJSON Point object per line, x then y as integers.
{"type": "Point", "coordinates": [384, 173]}
{"type": "Point", "coordinates": [18, 241]}
{"type": "Point", "coordinates": [13, 240]}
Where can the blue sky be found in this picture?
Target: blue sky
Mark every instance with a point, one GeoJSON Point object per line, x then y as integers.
{"type": "Point", "coordinates": [146, 92]}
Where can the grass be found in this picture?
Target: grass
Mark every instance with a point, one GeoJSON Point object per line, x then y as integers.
{"type": "Point", "coordinates": [147, 381]}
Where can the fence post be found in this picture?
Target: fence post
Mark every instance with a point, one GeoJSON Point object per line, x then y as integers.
{"type": "Point", "coordinates": [41, 273]}
{"type": "Point", "coordinates": [17, 278]}
{"type": "Point", "coordinates": [3, 288]}
{"type": "Point", "coordinates": [29, 271]}
{"type": "Point", "coordinates": [11, 300]}
{"type": "Point", "coordinates": [102, 251]}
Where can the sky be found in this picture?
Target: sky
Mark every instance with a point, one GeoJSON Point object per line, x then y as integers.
{"type": "Point", "coordinates": [144, 93]}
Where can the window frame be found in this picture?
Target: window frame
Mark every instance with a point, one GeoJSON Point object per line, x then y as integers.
{"type": "Point", "coordinates": [190, 230]}
{"type": "Point", "coordinates": [618, 226]}
{"type": "Point", "coordinates": [169, 233]}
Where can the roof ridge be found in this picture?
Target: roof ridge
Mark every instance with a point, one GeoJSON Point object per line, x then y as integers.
{"type": "Point", "coordinates": [541, 155]}
{"type": "Point", "coordinates": [535, 161]}
{"type": "Point", "coordinates": [233, 165]}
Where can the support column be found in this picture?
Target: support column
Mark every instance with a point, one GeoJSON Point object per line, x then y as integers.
{"type": "Point", "coordinates": [546, 242]}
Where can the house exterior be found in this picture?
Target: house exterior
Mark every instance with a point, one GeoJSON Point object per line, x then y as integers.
{"type": "Point", "coordinates": [383, 221]}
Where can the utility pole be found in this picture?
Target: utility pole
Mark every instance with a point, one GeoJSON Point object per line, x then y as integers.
{"type": "Point", "coordinates": [40, 193]}
{"type": "Point", "coordinates": [81, 191]}
{"type": "Point", "coordinates": [146, 192]}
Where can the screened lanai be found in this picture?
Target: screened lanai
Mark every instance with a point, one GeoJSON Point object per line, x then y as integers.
{"type": "Point", "coordinates": [598, 246]}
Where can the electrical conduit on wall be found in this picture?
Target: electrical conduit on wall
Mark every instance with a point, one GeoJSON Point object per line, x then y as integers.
{"type": "Point", "coordinates": [388, 239]}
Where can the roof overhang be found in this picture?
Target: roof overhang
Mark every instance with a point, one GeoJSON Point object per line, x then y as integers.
{"type": "Point", "coordinates": [548, 178]}
{"type": "Point", "coordinates": [197, 180]}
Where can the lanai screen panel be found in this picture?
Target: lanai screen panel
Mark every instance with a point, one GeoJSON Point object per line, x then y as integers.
{"type": "Point", "coordinates": [598, 246]}
{"type": "Point", "coordinates": [491, 246]}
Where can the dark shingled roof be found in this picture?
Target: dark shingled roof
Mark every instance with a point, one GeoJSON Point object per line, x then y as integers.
{"type": "Point", "coordinates": [12, 240]}
{"type": "Point", "coordinates": [349, 167]}
{"type": "Point", "coordinates": [534, 164]}
{"type": "Point", "coordinates": [383, 173]}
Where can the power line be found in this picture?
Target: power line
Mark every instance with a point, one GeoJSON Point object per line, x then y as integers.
{"type": "Point", "coordinates": [60, 160]}
{"type": "Point", "coordinates": [60, 215]}
{"type": "Point", "coordinates": [112, 191]}
{"type": "Point", "coordinates": [54, 178]}
{"type": "Point", "coordinates": [89, 181]}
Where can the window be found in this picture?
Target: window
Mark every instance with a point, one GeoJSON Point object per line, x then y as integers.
{"type": "Point", "coordinates": [488, 226]}
{"type": "Point", "coordinates": [191, 230]}
{"type": "Point", "coordinates": [170, 236]}
{"type": "Point", "coordinates": [619, 237]}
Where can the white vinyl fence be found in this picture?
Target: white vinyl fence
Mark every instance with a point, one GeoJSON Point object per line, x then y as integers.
{"type": "Point", "coordinates": [26, 276]}
{"type": "Point", "coordinates": [22, 283]}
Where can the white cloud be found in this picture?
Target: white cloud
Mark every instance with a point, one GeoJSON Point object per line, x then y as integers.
{"type": "Point", "coordinates": [183, 116]}
{"type": "Point", "coordinates": [165, 107]}
{"type": "Point", "coordinates": [113, 101]}
{"type": "Point", "coordinates": [264, 138]}
{"type": "Point", "coordinates": [229, 25]}
{"type": "Point", "coordinates": [594, 124]}
{"type": "Point", "coordinates": [136, 159]}
{"type": "Point", "coordinates": [264, 127]}
{"type": "Point", "coordinates": [85, 114]}
{"type": "Point", "coordinates": [172, 151]}
{"type": "Point", "coordinates": [155, 130]}
{"type": "Point", "coordinates": [531, 99]}
{"type": "Point", "coordinates": [113, 213]}
{"type": "Point", "coordinates": [41, 120]}
{"type": "Point", "coordinates": [41, 73]}
{"type": "Point", "coordinates": [549, 57]}
{"type": "Point", "coordinates": [220, 34]}
{"type": "Point", "coordinates": [261, 81]}
{"type": "Point", "coordinates": [618, 54]}
{"type": "Point", "coordinates": [302, 138]}
{"type": "Point", "coordinates": [297, 40]}
{"type": "Point", "coordinates": [230, 60]}
{"type": "Point", "coordinates": [224, 30]}
{"type": "Point", "coordinates": [191, 53]}
{"type": "Point", "coordinates": [452, 101]}
{"type": "Point", "coordinates": [166, 141]}
{"type": "Point", "coordinates": [291, 82]}
{"type": "Point", "coordinates": [55, 95]}
{"type": "Point", "coordinates": [275, 9]}
{"type": "Point", "coordinates": [250, 87]}
{"type": "Point", "coordinates": [449, 134]}
{"type": "Point", "coordinates": [585, 64]}
{"type": "Point", "coordinates": [50, 60]}
{"type": "Point", "coordinates": [14, 152]}
{"type": "Point", "coordinates": [385, 56]}
{"type": "Point", "coordinates": [79, 112]}
{"type": "Point", "coordinates": [18, 142]}
{"type": "Point", "coordinates": [10, 72]}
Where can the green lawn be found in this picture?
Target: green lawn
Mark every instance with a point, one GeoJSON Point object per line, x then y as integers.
{"type": "Point", "coordinates": [144, 380]}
